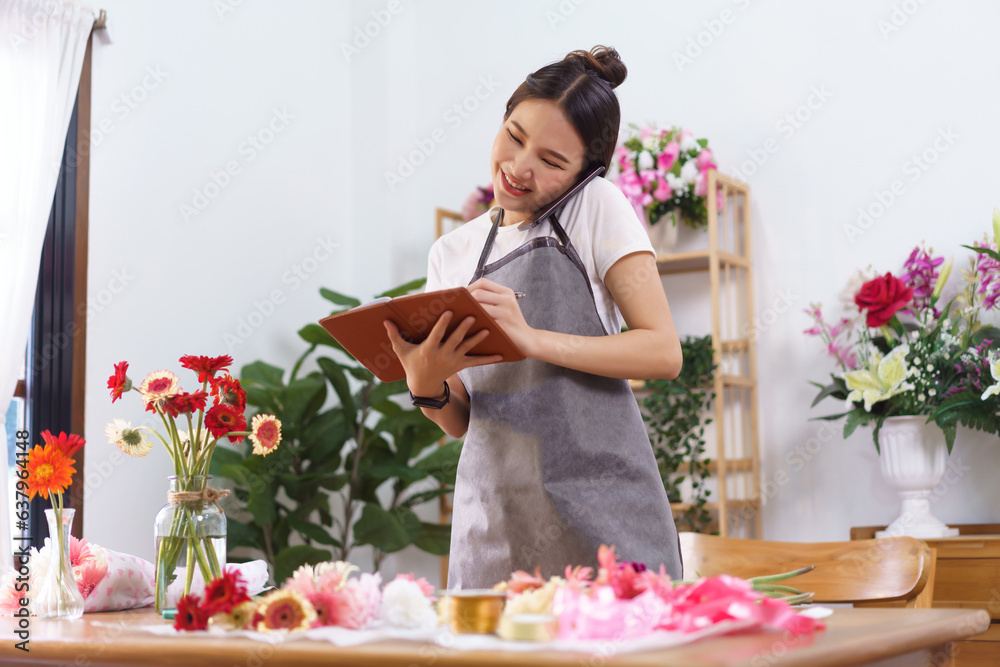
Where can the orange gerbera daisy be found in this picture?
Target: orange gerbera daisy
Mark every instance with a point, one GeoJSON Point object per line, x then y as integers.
{"type": "Point", "coordinates": [49, 471]}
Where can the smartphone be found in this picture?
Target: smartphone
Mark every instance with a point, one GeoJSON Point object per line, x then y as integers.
{"type": "Point", "coordinates": [548, 209]}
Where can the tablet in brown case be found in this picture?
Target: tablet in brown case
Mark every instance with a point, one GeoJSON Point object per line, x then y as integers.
{"type": "Point", "coordinates": [361, 332]}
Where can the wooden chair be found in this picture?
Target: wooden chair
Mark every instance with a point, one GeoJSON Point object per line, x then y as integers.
{"type": "Point", "coordinates": [894, 569]}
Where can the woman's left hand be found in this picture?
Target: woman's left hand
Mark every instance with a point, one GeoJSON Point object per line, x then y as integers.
{"type": "Point", "coordinates": [501, 304]}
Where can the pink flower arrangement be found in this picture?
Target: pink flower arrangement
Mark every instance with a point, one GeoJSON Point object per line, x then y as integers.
{"type": "Point", "coordinates": [478, 202]}
{"type": "Point", "coordinates": [660, 171]}
{"type": "Point", "coordinates": [314, 596]}
{"type": "Point", "coordinates": [629, 601]}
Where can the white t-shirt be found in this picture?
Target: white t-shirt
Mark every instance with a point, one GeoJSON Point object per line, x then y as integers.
{"type": "Point", "coordinates": [601, 225]}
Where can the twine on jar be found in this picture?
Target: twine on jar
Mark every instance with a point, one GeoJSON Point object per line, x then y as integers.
{"type": "Point", "coordinates": [208, 495]}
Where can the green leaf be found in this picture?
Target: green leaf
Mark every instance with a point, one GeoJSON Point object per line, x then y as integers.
{"type": "Point", "coordinates": [984, 251]}
{"type": "Point", "coordinates": [335, 374]}
{"type": "Point", "coordinates": [442, 463]}
{"type": "Point", "coordinates": [261, 504]}
{"type": "Point", "coordinates": [303, 398]}
{"type": "Point", "coordinates": [264, 374]}
{"type": "Point", "coordinates": [359, 372]}
{"type": "Point", "coordinates": [835, 389]}
{"type": "Point", "coordinates": [290, 559]}
{"type": "Point", "coordinates": [314, 334]}
{"type": "Point", "coordinates": [390, 471]}
{"type": "Point", "coordinates": [387, 531]}
{"type": "Point", "coordinates": [338, 298]}
{"type": "Point", "coordinates": [239, 534]}
{"type": "Point", "coordinates": [424, 496]}
{"type": "Point", "coordinates": [262, 398]}
{"type": "Point", "coordinates": [990, 333]}
{"type": "Point", "coordinates": [405, 288]}
{"type": "Point", "coordinates": [314, 532]}
{"type": "Point", "coordinates": [233, 471]}
{"type": "Point", "coordinates": [434, 538]}
{"type": "Point", "coordinates": [855, 418]}
{"type": "Point", "coordinates": [949, 435]}
{"type": "Point", "coordinates": [382, 391]}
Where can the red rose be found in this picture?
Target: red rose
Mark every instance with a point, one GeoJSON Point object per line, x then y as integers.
{"type": "Point", "coordinates": [882, 298]}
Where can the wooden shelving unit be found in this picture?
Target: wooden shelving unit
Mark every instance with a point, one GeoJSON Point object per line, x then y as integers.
{"type": "Point", "coordinates": [735, 464]}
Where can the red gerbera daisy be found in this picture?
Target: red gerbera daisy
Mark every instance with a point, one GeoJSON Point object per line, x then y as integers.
{"type": "Point", "coordinates": [224, 593]}
{"type": "Point", "coordinates": [119, 383]}
{"type": "Point", "coordinates": [222, 419]}
{"type": "Point", "coordinates": [67, 444]}
{"type": "Point", "coordinates": [190, 614]}
{"type": "Point", "coordinates": [227, 389]}
{"type": "Point", "coordinates": [206, 366]}
{"type": "Point", "coordinates": [184, 403]}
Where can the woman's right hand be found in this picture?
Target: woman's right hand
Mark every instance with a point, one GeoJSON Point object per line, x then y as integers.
{"type": "Point", "coordinates": [430, 363]}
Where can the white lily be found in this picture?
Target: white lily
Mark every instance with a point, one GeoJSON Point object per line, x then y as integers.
{"type": "Point", "coordinates": [995, 372]}
{"type": "Point", "coordinates": [884, 378]}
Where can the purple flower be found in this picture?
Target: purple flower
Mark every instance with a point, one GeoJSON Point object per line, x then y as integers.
{"type": "Point", "coordinates": [987, 272]}
{"type": "Point", "coordinates": [920, 273]}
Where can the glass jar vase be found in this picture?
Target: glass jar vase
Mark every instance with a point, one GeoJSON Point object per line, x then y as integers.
{"type": "Point", "coordinates": [58, 595]}
{"type": "Point", "coordinates": [190, 534]}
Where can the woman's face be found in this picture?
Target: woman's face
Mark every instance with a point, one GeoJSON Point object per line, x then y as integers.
{"type": "Point", "coordinates": [536, 156]}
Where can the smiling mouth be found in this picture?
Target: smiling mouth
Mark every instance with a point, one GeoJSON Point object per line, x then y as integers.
{"type": "Point", "coordinates": [513, 185]}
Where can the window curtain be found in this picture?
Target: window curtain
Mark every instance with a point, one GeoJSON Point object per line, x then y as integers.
{"type": "Point", "coordinates": [42, 47]}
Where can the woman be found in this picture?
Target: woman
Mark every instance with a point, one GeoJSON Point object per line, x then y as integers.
{"type": "Point", "coordinates": [556, 459]}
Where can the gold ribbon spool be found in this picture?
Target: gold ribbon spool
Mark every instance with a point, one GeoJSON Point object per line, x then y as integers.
{"type": "Point", "coordinates": [529, 627]}
{"type": "Point", "coordinates": [473, 611]}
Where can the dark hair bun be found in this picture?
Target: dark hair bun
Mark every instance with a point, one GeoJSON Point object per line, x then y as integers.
{"type": "Point", "coordinates": [604, 61]}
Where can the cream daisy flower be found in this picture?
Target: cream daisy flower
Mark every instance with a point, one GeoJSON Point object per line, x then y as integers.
{"type": "Point", "coordinates": [283, 610]}
{"type": "Point", "coordinates": [266, 434]}
{"type": "Point", "coordinates": [130, 440]}
{"type": "Point", "coordinates": [157, 385]}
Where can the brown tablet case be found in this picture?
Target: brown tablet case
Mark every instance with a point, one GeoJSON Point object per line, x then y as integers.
{"type": "Point", "coordinates": [361, 332]}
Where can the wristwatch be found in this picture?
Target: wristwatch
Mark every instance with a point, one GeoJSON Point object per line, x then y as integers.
{"type": "Point", "coordinates": [432, 403]}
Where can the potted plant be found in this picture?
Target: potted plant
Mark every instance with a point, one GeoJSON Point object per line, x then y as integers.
{"type": "Point", "coordinates": [915, 368]}
{"type": "Point", "coordinates": [664, 175]}
{"type": "Point", "coordinates": [676, 414]}
{"type": "Point", "coordinates": [351, 470]}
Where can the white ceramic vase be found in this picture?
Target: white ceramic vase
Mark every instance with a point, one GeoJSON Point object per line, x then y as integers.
{"type": "Point", "coordinates": [913, 457]}
{"type": "Point", "coordinates": [663, 234]}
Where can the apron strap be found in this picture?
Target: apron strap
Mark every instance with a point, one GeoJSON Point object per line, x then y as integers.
{"type": "Point", "coordinates": [488, 246]}
{"type": "Point", "coordinates": [480, 267]}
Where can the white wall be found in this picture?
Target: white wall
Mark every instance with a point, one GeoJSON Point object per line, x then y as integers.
{"type": "Point", "coordinates": [189, 284]}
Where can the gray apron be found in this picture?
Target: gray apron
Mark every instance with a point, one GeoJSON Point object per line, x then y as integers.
{"type": "Point", "coordinates": [556, 461]}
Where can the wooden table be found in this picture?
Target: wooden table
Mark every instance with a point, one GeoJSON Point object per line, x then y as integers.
{"type": "Point", "coordinates": [852, 637]}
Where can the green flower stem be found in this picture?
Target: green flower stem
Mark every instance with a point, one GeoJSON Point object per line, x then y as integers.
{"type": "Point", "coordinates": [781, 577]}
{"type": "Point", "coordinates": [184, 537]}
{"type": "Point", "coordinates": [774, 588]}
